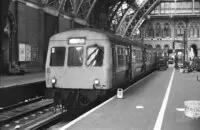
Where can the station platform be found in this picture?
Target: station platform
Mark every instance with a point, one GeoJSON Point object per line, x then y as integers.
{"type": "Point", "coordinates": [153, 103]}
{"type": "Point", "coordinates": [16, 80]}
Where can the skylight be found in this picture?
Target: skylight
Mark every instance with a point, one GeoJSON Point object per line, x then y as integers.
{"type": "Point", "coordinates": [140, 2]}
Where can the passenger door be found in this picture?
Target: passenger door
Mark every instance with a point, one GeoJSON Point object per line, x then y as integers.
{"type": "Point", "coordinates": [114, 65]}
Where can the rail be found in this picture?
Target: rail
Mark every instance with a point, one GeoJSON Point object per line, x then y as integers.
{"type": "Point", "coordinates": [29, 116]}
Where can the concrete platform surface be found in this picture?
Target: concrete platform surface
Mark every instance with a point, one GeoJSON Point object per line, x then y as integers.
{"type": "Point", "coordinates": [155, 103]}
{"type": "Point", "coordinates": [9, 81]}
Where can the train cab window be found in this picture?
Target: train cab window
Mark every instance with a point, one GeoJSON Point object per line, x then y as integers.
{"type": "Point", "coordinates": [95, 56]}
{"type": "Point", "coordinates": [57, 56]}
{"type": "Point", "coordinates": [75, 56]}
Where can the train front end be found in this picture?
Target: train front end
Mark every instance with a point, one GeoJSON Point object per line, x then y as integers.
{"type": "Point", "coordinates": [78, 68]}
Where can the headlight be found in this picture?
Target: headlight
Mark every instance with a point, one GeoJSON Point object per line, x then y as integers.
{"type": "Point", "coordinates": [53, 80]}
{"type": "Point", "coordinates": [96, 82]}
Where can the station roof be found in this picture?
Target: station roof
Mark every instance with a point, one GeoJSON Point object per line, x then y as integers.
{"type": "Point", "coordinates": [122, 17]}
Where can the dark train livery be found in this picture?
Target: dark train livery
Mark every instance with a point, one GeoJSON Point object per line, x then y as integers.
{"type": "Point", "coordinates": [84, 64]}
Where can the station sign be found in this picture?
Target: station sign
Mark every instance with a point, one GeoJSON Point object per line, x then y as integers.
{"type": "Point", "coordinates": [28, 52]}
{"type": "Point", "coordinates": [22, 52]}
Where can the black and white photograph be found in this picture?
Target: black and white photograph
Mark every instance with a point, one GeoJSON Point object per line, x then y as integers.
{"type": "Point", "coordinates": [100, 65]}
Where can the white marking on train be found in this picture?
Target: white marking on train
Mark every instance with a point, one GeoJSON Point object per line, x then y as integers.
{"type": "Point", "coordinates": [17, 121]}
{"type": "Point", "coordinates": [159, 120]}
{"type": "Point", "coordinates": [139, 107]}
{"type": "Point", "coordinates": [33, 115]}
{"type": "Point", "coordinates": [25, 118]}
{"type": "Point", "coordinates": [92, 110]}
{"type": "Point", "coordinates": [7, 125]}
{"type": "Point", "coordinates": [180, 109]}
{"type": "Point", "coordinates": [17, 126]}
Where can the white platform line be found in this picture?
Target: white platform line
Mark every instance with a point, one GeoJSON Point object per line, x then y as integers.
{"type": "Point", "coordinates": [180, 109]}
{"type": "Point", "coordinates": [92, 110]}
{"type": "Point", "coordinates": [159, 120]}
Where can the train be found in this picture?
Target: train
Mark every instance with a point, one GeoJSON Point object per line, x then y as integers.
{"type": "Point", "coordinates": [84, 65]}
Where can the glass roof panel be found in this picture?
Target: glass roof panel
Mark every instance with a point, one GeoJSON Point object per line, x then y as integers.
{"type": "Point", "coordinates": [140, 2]}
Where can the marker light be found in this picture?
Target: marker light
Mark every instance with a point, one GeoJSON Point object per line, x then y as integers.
{"type": "Point", "coordinates": [53, 81]}
{"type": "Point", "coordinates": [96, 82]}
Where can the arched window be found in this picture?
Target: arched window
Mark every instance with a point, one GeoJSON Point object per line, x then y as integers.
{"type": "Point", "coordinates": [180, 29]}
{"type": "Point", "coordinates": [158, 46]}
{"type": "Point", "coordinates": [193, 30]}
{"type": "Point", "coordinates": [166, 30]}
{"type": "Point", "coordinates": [198, 31]}
{"type": "Point", "coordinates": [166, 46]}
{"type": "Point", "coordinates": [150, 30]}
{"type": "Point", "coordinates": [158, 30]}
{"type": "Point", "coordinates": [142, 32]}
{"type": "Point", "coordinates": [194, 49]}
{"type": "Point", "coordinates": [150, 46]}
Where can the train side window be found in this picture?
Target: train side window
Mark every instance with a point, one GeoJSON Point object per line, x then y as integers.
{"type": "Point", "coordinates": [127, 53]}
{"type": "Point", "coordinates": [75, 56]}
{"type": "Point", "coordinates": [57, 56]}
{"type": "Point", "coordinates": [146, 56]}
{"type": "Point", "coordinates": [95, 56]}
{"type": "Point", "coordinates": [140, 53]}
{"type": "Point", "coordinates": [120, 56]}
{"type": "Point", "coordinates": [149, 56]}
{"type": "Point", "coordinates": [137, 56]}
{"type": "Point", "coordinates": [133, 55]}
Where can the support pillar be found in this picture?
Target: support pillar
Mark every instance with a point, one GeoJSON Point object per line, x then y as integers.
{"type": "Point", "coordinates": [185, 59]}
{"type": "Point", "coordinates": [4, 11]}
{"type": "Point", "coordinates": [192, 6]}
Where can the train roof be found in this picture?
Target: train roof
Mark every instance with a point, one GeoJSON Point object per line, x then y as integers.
{"type": "Point", "coordinates": [98, 34]}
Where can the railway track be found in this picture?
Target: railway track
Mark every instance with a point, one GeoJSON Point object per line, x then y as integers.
{"type": "Point", "coordinates": [30, 115]}
{"type": "Point", "coordinates": [26, 102]}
